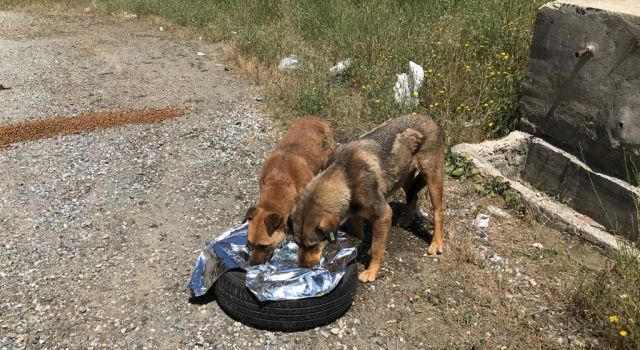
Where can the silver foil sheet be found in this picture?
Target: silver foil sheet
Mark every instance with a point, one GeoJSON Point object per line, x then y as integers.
{"type": "Point", "coordinates": [278, 279]}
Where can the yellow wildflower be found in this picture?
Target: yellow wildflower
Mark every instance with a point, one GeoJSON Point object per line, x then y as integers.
{"type": "Point", "coordinates": [614, 319]}
{"type": "Point", "coordinates": [439, 74]}
{"type": "Point", "coordinates": [436, 104]}
{"type": "Point", "coordinates": [429, 71]}
{"type": "Point", "coordinates": [441, 91]}
{"type": "Point", "coordinates": [622, 333]}
{"type": "Point", "coordinates": [377, 101]}
{"type": "Point", "coordinates": [415, 93]}
{"type": "Point", "coordinates": [431, 106]}
{"type": "Point", "coordinates": [486, 105]}
{"type": "Point", "coordinates": [490, 125]}
{"type": "Point", "coordinates": [413, 113]}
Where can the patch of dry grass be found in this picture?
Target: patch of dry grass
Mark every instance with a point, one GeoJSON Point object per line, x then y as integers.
{"type": "Point", "coordinates": [609, 303]}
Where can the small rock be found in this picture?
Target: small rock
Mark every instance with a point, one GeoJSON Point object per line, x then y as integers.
{"type": "Point", "coordinates": [200, 53]}
{"type": "Point", "coordinates": [161, 28]}
{"type": "Point", "coordinates": [324, 334]}
{"type": "Point", "coordinates": [538, 245]}
{"type": "Point", "coordinates": [335, 331]}
{"type": "Point", "coordinates": [498, 212]}
{"type": "Point", "coordinates": [496, 259]}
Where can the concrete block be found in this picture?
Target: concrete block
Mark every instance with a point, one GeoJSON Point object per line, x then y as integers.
{"type": "Point", "coordinates": [587, 103]}
{"type": "Point", "coordinates": [559, 189]}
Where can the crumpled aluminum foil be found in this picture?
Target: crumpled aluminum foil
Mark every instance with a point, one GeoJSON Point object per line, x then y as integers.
{"type": "Point", "coordinates": [278, 279]}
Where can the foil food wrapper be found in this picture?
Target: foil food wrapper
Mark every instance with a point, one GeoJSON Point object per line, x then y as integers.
{"type": "Point", "coordinates": [280, 278]}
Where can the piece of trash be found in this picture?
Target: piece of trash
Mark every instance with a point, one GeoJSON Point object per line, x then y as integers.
{"type": "Point", "coordinates": [482, 220]}
{"type": "Point", "coordinates": [417, 76]}
{"type": "Point", "coordinates": [407, 85]}
{"type": "Point", "coordinates": [483, 235]}
{"type": "Point", "coordinates": [401, 90]}
{"type": "Point", "coordinates": [538, 245]}
{"type": "Point", "coordinates": [498, 212]}
{"type": "Point", "coordinates": [200, 53]}
{"type": "Point", "coordinates": [161, 28]}
{"type": "Point", "coordinates": [496, 259]}
{"type": "Point", "coordinates": [289, 63]}
{"type": "Point", "coordinates": [340, 67]}
{"type": "Point", "coordinates": [280, 278]}
{"type": "Point", "coordinates": [421, 212]}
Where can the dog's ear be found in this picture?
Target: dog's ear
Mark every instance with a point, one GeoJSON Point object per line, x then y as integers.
{"type": "Point", "coordinates": [272, 222]}
{"type": "Point", "coordinates": [251, 213]}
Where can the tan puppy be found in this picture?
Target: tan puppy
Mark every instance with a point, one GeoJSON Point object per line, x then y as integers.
{"type": "Point", "coordinates": [363, 174]}
{"type": "Point", "coordinates": [303, 151]}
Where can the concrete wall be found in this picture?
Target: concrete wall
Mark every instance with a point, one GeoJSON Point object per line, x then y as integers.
{"type": "Point", "coordinates": [587, 105]}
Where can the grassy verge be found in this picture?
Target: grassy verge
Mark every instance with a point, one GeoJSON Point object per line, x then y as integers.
{"type": "Point", "coordinates": [610, 303]}
{"type": "Point", "coordinates": [45, 4]}
{"type": "Point", "coordinates": [473, 53]}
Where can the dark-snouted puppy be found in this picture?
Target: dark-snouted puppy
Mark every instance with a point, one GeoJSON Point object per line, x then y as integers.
{"type": "Point", "coordinates": [303, 151]}
{"type": "Point", "coordinates": [363, 174]}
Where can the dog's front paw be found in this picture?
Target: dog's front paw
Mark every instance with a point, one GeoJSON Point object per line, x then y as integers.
{"type": "Point", "coordinates": [367, 276]}
{"type": "Point", "coordinates": [435, 248]}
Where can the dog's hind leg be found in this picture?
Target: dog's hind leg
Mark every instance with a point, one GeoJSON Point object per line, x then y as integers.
{"type": "Point", "coordinates": [432, 169]}
{"type": "Point", "coordinates": [412, 186]}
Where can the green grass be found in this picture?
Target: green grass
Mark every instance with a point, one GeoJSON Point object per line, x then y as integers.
{"type": "Point", "coordinates": [473, 51]}
{"type": "Point", "coordinates": [610, 303]}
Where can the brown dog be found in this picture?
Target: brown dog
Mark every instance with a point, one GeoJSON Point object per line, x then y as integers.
{"type": "Point", "coordinates": [363, 174]}
{"type": "Point", "coordinates": [303, 151]}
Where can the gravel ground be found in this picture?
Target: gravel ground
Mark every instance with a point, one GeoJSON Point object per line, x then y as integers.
{"type": "Point", "coordinates": [100, 230]}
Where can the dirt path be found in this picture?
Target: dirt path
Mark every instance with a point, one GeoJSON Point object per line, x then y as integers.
{"type": "Point", "coordinates": [99, 231]}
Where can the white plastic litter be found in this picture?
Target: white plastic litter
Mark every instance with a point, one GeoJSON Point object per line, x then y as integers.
{"type": "Point", "coordinates": [200, 53]}
{"type": "Point", "coordinates": [340, 67]}
{"type": "Point", "coordinates": [538, 245]}
{"type": "Point", "coordinates": [407, 85]}
{"type": "Point", "coordinates": [417, 74]}
{"type": "Point", "coordinates": [289, 63]}
{"type": "Point", "coordinates": [482, 220]}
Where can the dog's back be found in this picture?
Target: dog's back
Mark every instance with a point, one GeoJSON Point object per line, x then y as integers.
{"type": "Point", "coordinates": [390, 150]}
{"type": "Point", "coordinates": [303, 151]}
{"type": "Point", "coordinates": [386, 135]}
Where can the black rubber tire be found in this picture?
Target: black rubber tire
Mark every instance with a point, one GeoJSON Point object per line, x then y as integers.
{"type": "Point", "coordinates": [237, 301]}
